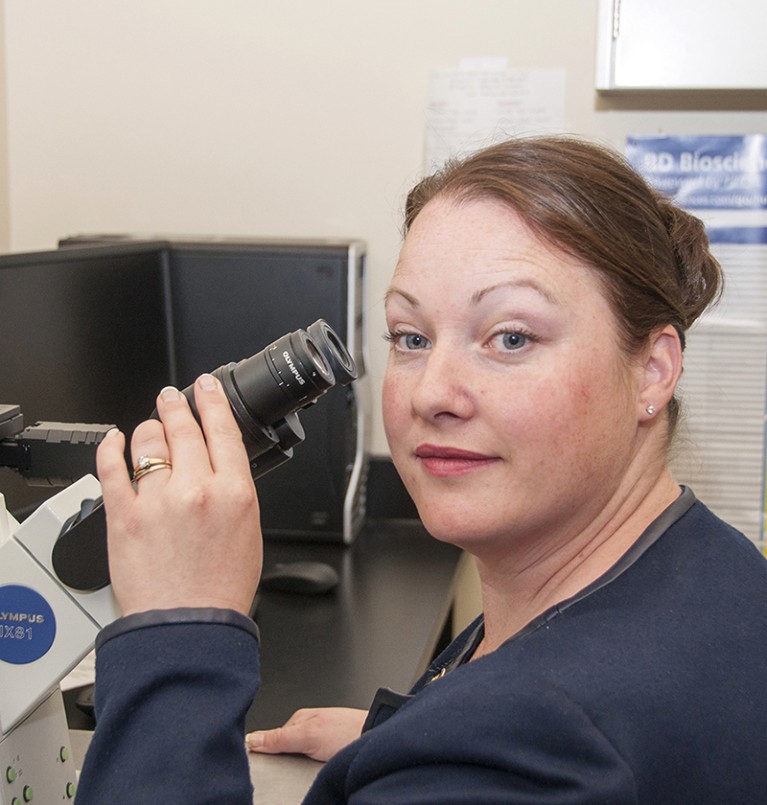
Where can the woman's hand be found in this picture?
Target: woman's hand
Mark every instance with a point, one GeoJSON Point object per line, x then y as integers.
{"type": "Point", "coordinates": [317, 733]}
{"type": "Point", "coordinates": [188, 536]}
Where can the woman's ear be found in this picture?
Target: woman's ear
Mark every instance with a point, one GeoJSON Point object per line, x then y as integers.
{"type": "Point", "coordinates": [662, 367]}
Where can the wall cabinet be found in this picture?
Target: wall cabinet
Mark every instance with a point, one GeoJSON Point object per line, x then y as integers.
{"type": "Point", "coordinates": [681, 44]}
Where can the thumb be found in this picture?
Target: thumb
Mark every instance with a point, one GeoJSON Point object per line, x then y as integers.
{"type": "Point", "coordinates": [286, 739]}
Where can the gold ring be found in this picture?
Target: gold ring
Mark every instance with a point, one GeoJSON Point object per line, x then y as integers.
{"type": "Point", "coordinates": [145, 465]}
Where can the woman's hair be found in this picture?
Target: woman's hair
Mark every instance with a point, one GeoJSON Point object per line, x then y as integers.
{"type": "Point", "coordinates": [652, 257]}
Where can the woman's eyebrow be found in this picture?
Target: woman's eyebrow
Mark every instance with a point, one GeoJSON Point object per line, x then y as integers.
{"type": "Point", "coordinates": [479, 295]}
{"type": "Point", "coordinates": [394, 291]}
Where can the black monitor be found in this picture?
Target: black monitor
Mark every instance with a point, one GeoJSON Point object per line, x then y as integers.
{"type": "Point", "coordinates": [92, 331]}
{"type": "Point", "coordinates": [83, 338]}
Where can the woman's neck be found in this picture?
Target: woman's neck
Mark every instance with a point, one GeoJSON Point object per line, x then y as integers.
{"type": "Point", "coordinates": [522, 584]}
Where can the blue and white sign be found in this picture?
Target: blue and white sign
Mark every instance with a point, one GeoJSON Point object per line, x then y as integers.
{"type": "Point", "coordinates": [707, 174]}
{"type": "Point", "coordinates": [27, 625]}
{"type": "Point", "coordinates": [712, 172]}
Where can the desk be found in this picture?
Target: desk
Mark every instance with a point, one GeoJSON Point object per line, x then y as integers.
{"type": "Point", "coordinates": [380, 628]}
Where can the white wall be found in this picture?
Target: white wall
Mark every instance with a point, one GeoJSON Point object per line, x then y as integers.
{"type": "Point", "coordinates": [301, 118]}
{"type": "Point", "coordinates": [4, 200]}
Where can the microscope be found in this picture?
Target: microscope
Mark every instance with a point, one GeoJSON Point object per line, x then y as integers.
{"type": "Point", "coordinates": [55, 593]}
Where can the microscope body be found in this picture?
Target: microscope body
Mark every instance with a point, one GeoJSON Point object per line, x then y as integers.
{"type": "Point", "coordinates": [46, 628]}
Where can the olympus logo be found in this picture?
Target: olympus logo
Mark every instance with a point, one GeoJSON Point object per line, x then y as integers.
{"type": "Point", "coordinates": [21, 617]}
{"type": "Point", "coordinates": [292, 368]}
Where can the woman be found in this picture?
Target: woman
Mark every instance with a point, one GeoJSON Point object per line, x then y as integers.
{"type": "Point", "coordinates": [536, 318]}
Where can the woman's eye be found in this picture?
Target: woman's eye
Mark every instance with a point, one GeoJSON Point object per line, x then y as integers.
{"type": "Point", "coordinates": [414, 341]}
{"type": "Point", "coordinates": [512, 341]}
{"type": "Point", "coordinates": [408, 341]}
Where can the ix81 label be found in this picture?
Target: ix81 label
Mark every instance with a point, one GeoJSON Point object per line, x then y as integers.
{"type": "Point", "coordinates": [27, 625]}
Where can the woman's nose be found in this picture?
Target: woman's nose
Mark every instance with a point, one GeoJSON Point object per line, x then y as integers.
{"type": "Point", "coordinates": [440, 389]}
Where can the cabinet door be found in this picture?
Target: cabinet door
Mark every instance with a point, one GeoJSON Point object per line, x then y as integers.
{"type": "Point", "coordinates": [681, 44]}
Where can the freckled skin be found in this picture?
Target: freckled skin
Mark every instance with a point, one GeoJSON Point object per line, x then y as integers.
{"type": "Point", "coordinates": [557, 415]}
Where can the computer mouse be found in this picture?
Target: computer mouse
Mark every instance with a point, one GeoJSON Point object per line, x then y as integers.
{"type": "Point", "coordinates": [300, 577]}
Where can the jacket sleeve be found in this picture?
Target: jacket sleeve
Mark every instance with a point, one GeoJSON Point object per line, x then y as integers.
{"type": "Point", "coordinates": [530, 747]}
{"type": "Point", "coordinates": [172, 690]}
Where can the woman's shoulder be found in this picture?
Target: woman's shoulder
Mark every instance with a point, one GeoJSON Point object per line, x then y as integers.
{"type": "Point", "coordinates": [711, 547]}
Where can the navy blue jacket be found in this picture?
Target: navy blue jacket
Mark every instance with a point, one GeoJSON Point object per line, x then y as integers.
{"type": "Point", "coordinates": [646, 687]}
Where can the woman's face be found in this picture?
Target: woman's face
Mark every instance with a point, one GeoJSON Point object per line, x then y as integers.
{"type": "Point", "coordinates": [510, 409]}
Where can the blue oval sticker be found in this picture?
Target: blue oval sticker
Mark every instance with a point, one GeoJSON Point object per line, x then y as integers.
{"type": "Point", "coordinates": [27, 625]}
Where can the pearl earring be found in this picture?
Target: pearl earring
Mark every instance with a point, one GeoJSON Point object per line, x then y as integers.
{"type": "Point", "coordinates": [650, 409]}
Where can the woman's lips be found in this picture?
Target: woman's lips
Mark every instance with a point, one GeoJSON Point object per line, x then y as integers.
{"type": "Point", "coordinates": [446, 461]}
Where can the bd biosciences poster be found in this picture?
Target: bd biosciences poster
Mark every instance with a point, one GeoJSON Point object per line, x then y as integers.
{"type": "Point", "coordinates": [721, 444]}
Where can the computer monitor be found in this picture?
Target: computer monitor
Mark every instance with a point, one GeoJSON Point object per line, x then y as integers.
{"type": "Point", "coordinates": [96, 328]}
{"type": "Point", "coordinates": [84, 337]}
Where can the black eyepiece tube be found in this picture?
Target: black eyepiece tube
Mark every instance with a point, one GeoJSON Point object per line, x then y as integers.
{"type": "Point", "coordinates": [286, 376]}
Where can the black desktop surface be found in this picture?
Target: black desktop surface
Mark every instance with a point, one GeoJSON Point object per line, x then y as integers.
{"type": "Point", "coordinates": [388, 617]}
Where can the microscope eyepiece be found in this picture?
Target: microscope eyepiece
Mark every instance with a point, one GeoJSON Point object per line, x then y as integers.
{"type": "Point", "coordinates": [284, 377]}
{"type": "Point", "coordinates": [266, 390]}
{"type": "Point", "coordinates": [334, 350]}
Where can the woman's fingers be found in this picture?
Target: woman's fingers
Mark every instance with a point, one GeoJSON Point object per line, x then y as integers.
{"type": "Point", "coordinates": [186, 533]}
{"type": "Point", "coordinates": [317, 733]}
{"type": "Point", "coordinates": [112, 469]}
{"type": "Point", "coordinates": [176, 437]}
{"type": "Point", "coordinates": [179, 438]}
{"type": "Point", "coordinates": [223, 435]}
